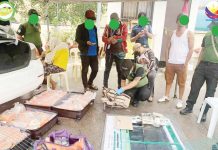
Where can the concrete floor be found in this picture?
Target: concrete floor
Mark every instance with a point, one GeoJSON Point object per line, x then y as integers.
{"type": "Point", "coordinates": [193, 135]}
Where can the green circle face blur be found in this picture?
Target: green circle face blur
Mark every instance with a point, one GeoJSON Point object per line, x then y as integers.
{"type": "Point", "coordinates": [114, 24]}
{"type": "Point", "coordinates": [33, 19]}
{"type": "Point", "coordinates": [183, 20]}
{"type": "Point", "coordinates": [143, 21]}
{"type": "Point", "coordinates": [89, 24]}
{"type": "Point", "coordinates": [214, 30]}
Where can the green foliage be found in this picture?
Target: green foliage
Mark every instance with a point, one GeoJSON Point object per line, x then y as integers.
{"type": "Point", "coordinates": [70, 14]}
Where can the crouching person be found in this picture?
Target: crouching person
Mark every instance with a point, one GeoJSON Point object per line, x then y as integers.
{"type": "Point", "coordinates": [137, 87]}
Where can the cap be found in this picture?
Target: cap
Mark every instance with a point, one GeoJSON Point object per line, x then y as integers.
{"type": "Point", "coordinates": [33, 11]}
{"type": "Point", "coordinates": [142, 14]}
{"type": "Point", "coordinates": [90, 14]}
{"type": "Point", "coordinates": [114, 16]}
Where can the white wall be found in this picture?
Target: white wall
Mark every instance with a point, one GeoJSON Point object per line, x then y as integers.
{"type": "Point", "coordinates": [113, 7]}
{"type": "Point", "coordinates": [158, 26]}
{"type": "Point", "coordinates": [193, 14]}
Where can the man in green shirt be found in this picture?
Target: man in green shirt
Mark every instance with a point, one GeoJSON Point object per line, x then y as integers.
{"type": "Point", "coordinates": [206, 71]}
{"type": "Point", "coordinates": [137, 82]}
{"type": "Point", "coordinates": [30, 32]}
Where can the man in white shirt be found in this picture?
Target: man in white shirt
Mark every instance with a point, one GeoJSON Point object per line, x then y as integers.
{"type": "Point", "coordinates": [178, 53]}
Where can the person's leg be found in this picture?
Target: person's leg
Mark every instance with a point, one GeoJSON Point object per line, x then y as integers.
{"type": "Point", "coordinates": [169, 75]}
{"type": "Point", "coordinates": [85, 67]}
{"type": "Point", "coordinates": [151, 79]}
{"type": "Point", "coordinates": [211, 83]}
{"type": "Point", "coordinates": [108, 65]}
{"type": "Point", "coordinates": [118, 62]}
{"type": "Point", "coordinates": [53, 84]}
{"type": "Point", "coordinates": [132, 93]}
{"type": "Point", "coordinates": [94, 67]}
{"type": "Point", "coordinates": [196, 84]}
{"type": "Point", "coordinates": [181, 77]}
{"type": "Point", "coordinates": [144, 93]}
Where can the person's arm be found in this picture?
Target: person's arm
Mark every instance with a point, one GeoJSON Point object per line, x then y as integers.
{"type": "Point", "coordinates": [151, 58]}
{"type": "Point", "coordinates": [105, 38]}
{"type": "Point", "coordinates": [79, 38]}
{"type": "Point", "coordinates": [135, 36]}
{"type": "Point", "coordinates": [191, 46]}
{"type": "Point", "coordinates": [139, 74]}
{"type": "Point", "coordinates": [201, 50]}
{"type": "Point", "coordinates": [123, 83]}
{"type": "Point", "coordinates": [168, 49]}
{"type": "Point", "coordinates": [149, 32]}
{"type": "Point", "coordinates": [132, 84]}
{"type": "Point", "coordinates": [20, 32]}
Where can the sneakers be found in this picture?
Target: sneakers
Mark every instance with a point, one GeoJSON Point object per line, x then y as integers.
{"type": "Point", "coordinates": [150, 99]}
{"type": "Point", "coordinates": [186, 111]}
{"type": "Point", "coordinates": [163, 99]}
{"type": "Point", "coordinates": [135, 103]}
{"type": "Point", "coordinates": [179, 104]}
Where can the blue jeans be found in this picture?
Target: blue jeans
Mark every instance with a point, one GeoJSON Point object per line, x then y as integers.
{"type": "Point", "coordinates": [205, 72]}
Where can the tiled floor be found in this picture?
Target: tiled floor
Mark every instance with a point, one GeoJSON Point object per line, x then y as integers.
{"type": "Point", "coordinates": [91, 125]}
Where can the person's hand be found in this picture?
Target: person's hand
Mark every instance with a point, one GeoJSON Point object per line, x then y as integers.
{"type": "Point", "coordinates": [185, 66]}
{"type": "Point", "coordinates": [145, 31]}
{"type": "Point", "coordinates": [114, 41]}
{"type": "Point", "coordinates": [110, 39]}
{"type": "Point", "coordinates": [140, 34]}
{"type": "Point", "coordinates": [197, 50]}
{"type": "Point", "coordinates": [89, 43]}
{"type": "Point", "coordinates": [120, 91]}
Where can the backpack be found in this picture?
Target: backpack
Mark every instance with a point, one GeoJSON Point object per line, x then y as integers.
{"type": "Point", "coordinates": [110, 98]}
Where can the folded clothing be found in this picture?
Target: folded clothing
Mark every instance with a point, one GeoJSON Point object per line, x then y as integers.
{"type": "Point", "coordinates": [24, 118]}
{"type": "Point", "coordinates": [47, 98]}
{"type": "Point", "coordinates": [77, 102]}
{"type": "Point", "coordinates": [10, 137]}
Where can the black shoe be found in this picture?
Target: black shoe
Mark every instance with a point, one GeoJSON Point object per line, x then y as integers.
{"type": "Point", "coordinates": [135, 103]}
{"type": "Point", "coordinates": [186, 111]}
{"type": "Point", "coordinates": [93, 87]}
{"type": "Point", "coordinates": [204, 117]}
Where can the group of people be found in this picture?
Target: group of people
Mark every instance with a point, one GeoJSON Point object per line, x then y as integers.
{"type": "Point", "coordinates": [135, 77]}
{"type": "Point", "coordinates": [139, 72]}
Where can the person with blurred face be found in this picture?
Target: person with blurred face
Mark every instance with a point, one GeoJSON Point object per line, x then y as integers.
{"type": "Point", "coordinates": [141, 34]}
{"type": "Point", "coordinates": [145, 56]}
{"type": "Point", "coordinates": [87, 40]}
{"type": "Point", "coordinates": [134, 82]}
{"type": "Point", "coordinates": [206, 71]}
{"type": "Point", "coordinates": [31, 32]}
{"type": "Point", "coordinates": [178, 53]}
{"type": "Point", "coordinates": [115, 47]}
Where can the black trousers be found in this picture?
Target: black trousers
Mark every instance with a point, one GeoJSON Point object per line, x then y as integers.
{"type": "Point", "coordinates": [87, 61]}
{"type": "Point", "coordinates": [110, 58]}
{"type": "Point", "coordinates": [139, 94]}
{"type": "Point", "coordinates": [205, 72]}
